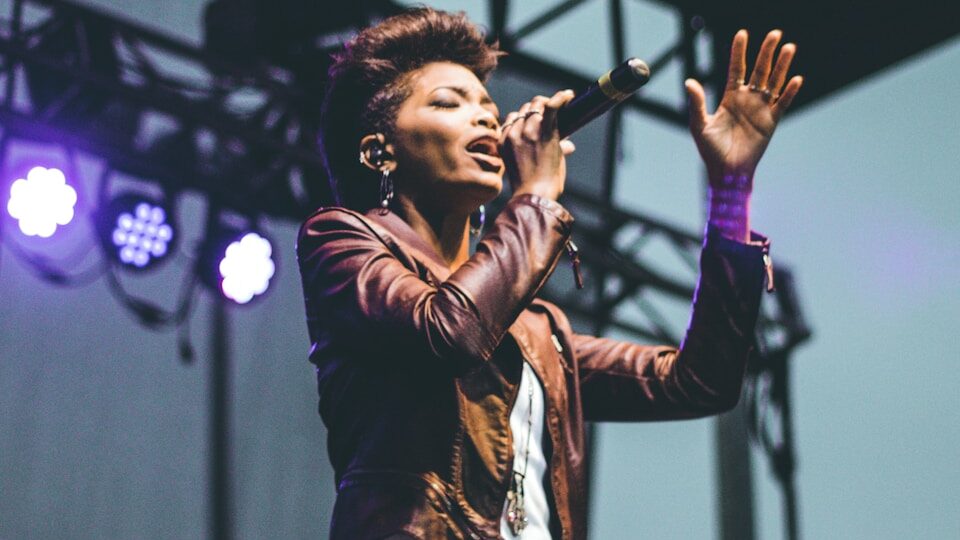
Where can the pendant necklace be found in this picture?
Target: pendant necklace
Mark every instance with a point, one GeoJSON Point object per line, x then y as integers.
{"type": "Point", "coordinates": [516, 515]}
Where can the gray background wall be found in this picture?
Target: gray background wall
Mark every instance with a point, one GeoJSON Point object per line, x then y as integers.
{"type": "Point", "coordinates": [103, 430]}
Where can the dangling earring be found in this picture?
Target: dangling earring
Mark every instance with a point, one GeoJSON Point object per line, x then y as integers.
{"type": "Point", "coordinates": [476, 221]}
{"type": "Point", "coordinates": [386, 191]}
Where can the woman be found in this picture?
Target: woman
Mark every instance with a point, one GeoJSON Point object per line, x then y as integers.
{"type": "Point", "coordinates": [454, 398]}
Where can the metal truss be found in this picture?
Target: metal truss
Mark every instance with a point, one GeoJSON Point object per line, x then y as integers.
{"type": "Point", "coordinates": [527, 63]}
{"type": "Point", "coordinates": [241, 135]}
{"type": "Point", "coordinates": [621, 281]}
{"type": "Point", "coordinates": [180, 116]}
{"type": "Point", "coordinates": [620, 270]}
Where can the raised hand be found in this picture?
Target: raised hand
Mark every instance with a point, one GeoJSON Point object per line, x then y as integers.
{"type": "Point", "coordinates": [733, 138]}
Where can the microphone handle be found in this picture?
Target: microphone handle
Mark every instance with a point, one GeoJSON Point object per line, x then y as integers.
{"type": "Point", "coordinates": [602, 95]}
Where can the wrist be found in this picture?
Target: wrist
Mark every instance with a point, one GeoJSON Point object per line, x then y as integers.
{"type": "Point", "coordinates": [545, 192]}
{"type": "Point", "coordinates": [730, 180]}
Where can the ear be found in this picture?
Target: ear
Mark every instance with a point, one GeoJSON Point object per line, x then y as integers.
{"type": "Point", "coordinates": [376, 154]}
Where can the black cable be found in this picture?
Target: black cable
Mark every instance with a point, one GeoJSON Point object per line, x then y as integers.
{"type": "Point", "coordinates": [147, 313]}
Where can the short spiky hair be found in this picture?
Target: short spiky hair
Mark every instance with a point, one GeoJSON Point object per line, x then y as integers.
{"type": "Point", "coordinates": [368, 83]}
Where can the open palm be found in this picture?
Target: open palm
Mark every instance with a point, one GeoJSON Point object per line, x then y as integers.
{"type": "Point", "coordinates": [733, 138]}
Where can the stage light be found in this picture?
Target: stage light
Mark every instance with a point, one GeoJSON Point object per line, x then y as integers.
{"type": "Point", "coordinates": [246, 268]}
{"type": "Point", "coordinates": [41, 201]}
{"type": "Point", "coordinates": [136, 231]}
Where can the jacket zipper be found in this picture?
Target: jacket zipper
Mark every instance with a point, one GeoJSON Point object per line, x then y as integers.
{"type": "Point", "coordinates": [574, 254]}
{"type": "Point", "coordinates": [768, 268]}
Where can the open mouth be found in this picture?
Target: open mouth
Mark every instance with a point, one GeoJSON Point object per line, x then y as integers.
{"type": "Point", "coordinates": [485, 152]}
{"type": "Point", "coordinates": [484, 145]}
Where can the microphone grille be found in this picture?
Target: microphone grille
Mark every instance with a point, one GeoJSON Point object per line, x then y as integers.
{"type": "Point", "coordinates": [639, 68]}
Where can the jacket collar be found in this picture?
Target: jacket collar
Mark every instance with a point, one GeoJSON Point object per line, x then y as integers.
{"type": "Point", "coordinates": [418, 248]}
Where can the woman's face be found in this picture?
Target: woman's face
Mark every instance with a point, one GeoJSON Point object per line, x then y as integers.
{"type": "Point", "coordinates": [446, 139]}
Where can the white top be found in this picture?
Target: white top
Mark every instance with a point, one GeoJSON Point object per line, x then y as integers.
{"type": "Point", "coordinates": [534, 494]}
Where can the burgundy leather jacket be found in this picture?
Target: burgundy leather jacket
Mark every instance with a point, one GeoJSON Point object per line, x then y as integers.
{"type": "Point", "coordinates": [418, 368]}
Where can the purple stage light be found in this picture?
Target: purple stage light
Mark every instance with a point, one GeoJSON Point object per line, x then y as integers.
{"type": "Point", "coordinates": [41, 201]}
{"type": "Point", "coordinates": [142, 235]}
{"type": "Point", "coordinates": [136, 230]}
{"type": "Point", "coordinates": [246, 268]}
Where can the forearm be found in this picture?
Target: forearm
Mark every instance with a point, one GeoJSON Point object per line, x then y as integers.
{"type": "Point", "coordinates": [513, 261]}
{"type": "Point", "coordinates": [624, 381]}
{"type": "Point", "coordinates": [726, 303]}
{"type": "Point", "coordinates": [729, 205]}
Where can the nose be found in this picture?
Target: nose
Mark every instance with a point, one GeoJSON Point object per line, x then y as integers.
{"type": "Point", "coordinates": [486, 119]}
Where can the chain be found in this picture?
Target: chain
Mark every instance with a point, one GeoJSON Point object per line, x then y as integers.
{"type": "Point", "coordinates": [516, 514]}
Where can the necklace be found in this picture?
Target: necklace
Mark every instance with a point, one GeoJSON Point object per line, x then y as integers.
{"type": "Point", "coordinates": [516, 515]}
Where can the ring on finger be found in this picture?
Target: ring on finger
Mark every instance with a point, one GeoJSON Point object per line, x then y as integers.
{"type": "Point", "coordinates": [523, 116]}
{"type": "Point", "coordinates": [506, 125]}
{"type": "Point", "coordinates": [765, 91]}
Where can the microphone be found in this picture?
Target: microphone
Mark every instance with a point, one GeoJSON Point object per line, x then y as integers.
{"type": "Point", "coordinates": [610, 89]}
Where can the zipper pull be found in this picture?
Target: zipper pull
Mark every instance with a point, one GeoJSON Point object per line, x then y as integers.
{"type": "Point", "coordinates": [556, 343]}
{"type": "Point", "coordinates": [768, 266]}
{"type": "Point", "coordinates": [574, 254]}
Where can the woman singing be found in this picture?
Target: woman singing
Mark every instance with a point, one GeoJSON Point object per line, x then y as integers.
{"type": "Point", "coordinates": [454, 398]}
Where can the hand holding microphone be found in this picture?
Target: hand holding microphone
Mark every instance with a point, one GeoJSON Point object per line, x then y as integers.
{"type": "Point", "coordinates": [526, 134]}
{"type": "Point", "coordinates": [531, 147]}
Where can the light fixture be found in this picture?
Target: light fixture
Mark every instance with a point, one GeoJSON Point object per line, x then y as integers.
{"type": "Point", "coordinates": [237, 262]}
{"type": "Point", "coordinates": [42, 201]}
{"type": "Point", "coordinates": [246, 268]}
{"type": "Point", "coordinates": [136, 231]}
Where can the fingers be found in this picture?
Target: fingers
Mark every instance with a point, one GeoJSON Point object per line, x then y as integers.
{"type": "Point", "coordinates": [552, 108]}
{"type": "Point", "coordinates": [532, 148]}
{"type": "Point", "coordinates": [507, 124]}
{"type": "Point", "coordinates": [764, 80]}
{"type": "Point", "coordinates": [533, 119]}
{"type": "Point", "coordinates": [512, 119]}
{"type": "Point", "coordinates": [761, 70]}
{"type": "Point", "coordinates": [786, 98]}
{"type": "Point", "coordinates": [537, 117]}
{"type": "Point", "coordinates": [738, 60]}
{"type": "Point", "coordinates": [780, 70]}
{"type": "Point", "coordinates": [698, 105]}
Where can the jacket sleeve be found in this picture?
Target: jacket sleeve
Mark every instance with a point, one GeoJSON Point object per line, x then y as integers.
{"type": "Point", "coordinates": [621, 381]}
{"type": "Point", "coordinates": [358, 289]}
